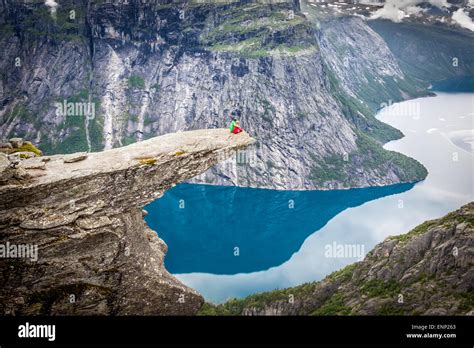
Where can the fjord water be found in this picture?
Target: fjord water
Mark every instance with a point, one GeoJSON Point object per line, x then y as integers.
{"type": "Point", "coordinates": [281, 247]}
{"type": "Point", "coordinates": [203, 225]}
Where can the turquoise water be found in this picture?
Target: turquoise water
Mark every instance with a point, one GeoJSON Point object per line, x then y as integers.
{"type": "Point", "coordinates": [460, 84]}
{"type": "Point", "coordinates": [229, 230]}
{"type": "Point", "coordinates": [281, 247]}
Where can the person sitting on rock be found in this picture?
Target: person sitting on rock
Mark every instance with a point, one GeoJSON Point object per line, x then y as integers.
{"type": "Point", "coordinates": [235, 126]}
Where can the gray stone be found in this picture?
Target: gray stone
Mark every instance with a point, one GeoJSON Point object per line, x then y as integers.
{"type": "Point", "coordinates": [16, 142]}
{"type": "Point", "coordinates": [6, 146]}
{"type": "Point", "coordinates": [33, 163]}
{"type": "Point", "coordinates": [90, 223]}
{"type": "Point", "coordinates": [75, 157]}
{"type": "Point", "coordinates": [87, 219]}
{"type": "Point", "coordinates": [4, 162]}
{"type": "Point", "coordinates": [22, 155]}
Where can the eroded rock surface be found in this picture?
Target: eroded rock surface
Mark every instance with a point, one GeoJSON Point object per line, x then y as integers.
{"type": "Point", "coordinates": [95, 253]}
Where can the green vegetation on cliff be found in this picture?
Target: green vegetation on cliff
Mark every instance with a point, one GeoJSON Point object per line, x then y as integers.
{"type": "Point", "coordinates": [371, 135]}
{"type": "Point", "coordinates": [136, 82]}
{"type": "Point", "coordinates": [258, 30]}
{"type": "Point", "coordinates": [372, 157]}
{"type": "Point", "coordinates": [28, 147]}
{"type": "Point", "coordinates": [418, 273]}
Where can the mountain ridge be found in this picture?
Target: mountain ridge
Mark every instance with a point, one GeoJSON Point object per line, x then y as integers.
{"type": "Point", "coordinates": [427, 271]}
{"type": "Point", "coordinates": [150, 69]}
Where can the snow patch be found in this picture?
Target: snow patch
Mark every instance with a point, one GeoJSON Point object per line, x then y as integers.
{"type": "Point", "coordinates": [463, 19]}
{"type": "Point", "coordinates": [396, 10]}
{"type": "Point", "coordinates": [52, 6]}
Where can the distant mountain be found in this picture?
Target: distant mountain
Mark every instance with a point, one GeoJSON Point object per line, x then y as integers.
{"type": "Point", "coordinates": [306, 83]}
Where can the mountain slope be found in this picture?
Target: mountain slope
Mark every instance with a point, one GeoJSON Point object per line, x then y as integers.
{"type": "Point", "coordinates": [428, 52]}
{"type": "Point", "coordinates": [428, 271]}
{"type": "Point", "coordinates": [307, 90]}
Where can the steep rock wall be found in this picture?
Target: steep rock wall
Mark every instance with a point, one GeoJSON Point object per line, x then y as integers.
{"type": "Point", "coordinates": [84, 214]}
{"type": "Point", "coordinates": [306, 88]}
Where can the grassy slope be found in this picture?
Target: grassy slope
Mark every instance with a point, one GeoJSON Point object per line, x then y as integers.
{"type": "Point", "coordinates": [258, 30]}
{"type": "Point", "coordinates": [348, 291]}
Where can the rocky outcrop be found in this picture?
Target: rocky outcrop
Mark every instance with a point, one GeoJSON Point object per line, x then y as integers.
{"type": "Point", "coordinates": [12, 153]}
{"type": "Point", "coordinates": [83, 213]}
{"type": "Point", "coordinates": [428, 271]}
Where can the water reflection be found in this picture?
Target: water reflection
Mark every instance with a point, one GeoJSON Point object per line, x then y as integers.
{"type": "Point", "coordinates": [228, 230]}
{"type": "Point", "coordinates": [428, 138]}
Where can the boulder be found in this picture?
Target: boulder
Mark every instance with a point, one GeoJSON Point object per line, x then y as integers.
{"type": "Point", "coordinates": [6, 146]}
{"type": "Point", "coordinates": [13, 175]}
{"type": "Point", "coordinates": [33, 163]}
{"type": "Point", "coordinates": [16, 142]}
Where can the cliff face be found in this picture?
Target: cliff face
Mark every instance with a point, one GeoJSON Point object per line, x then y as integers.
{"type": "Point", "coordinates": [306, 86]}
{"type": "Point", "coordinates": [428, 271]}
{"type": "Point", "coordinates": [442, 53]}
{"type": "Point", "coordinates": [84, 214]}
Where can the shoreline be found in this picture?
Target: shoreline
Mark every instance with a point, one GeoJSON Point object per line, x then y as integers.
{"type": "Point", "coordinates": [305, 264]}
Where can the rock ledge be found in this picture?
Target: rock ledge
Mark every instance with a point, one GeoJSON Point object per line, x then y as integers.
{"type": "Point", "coordinates": [95, 253]}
